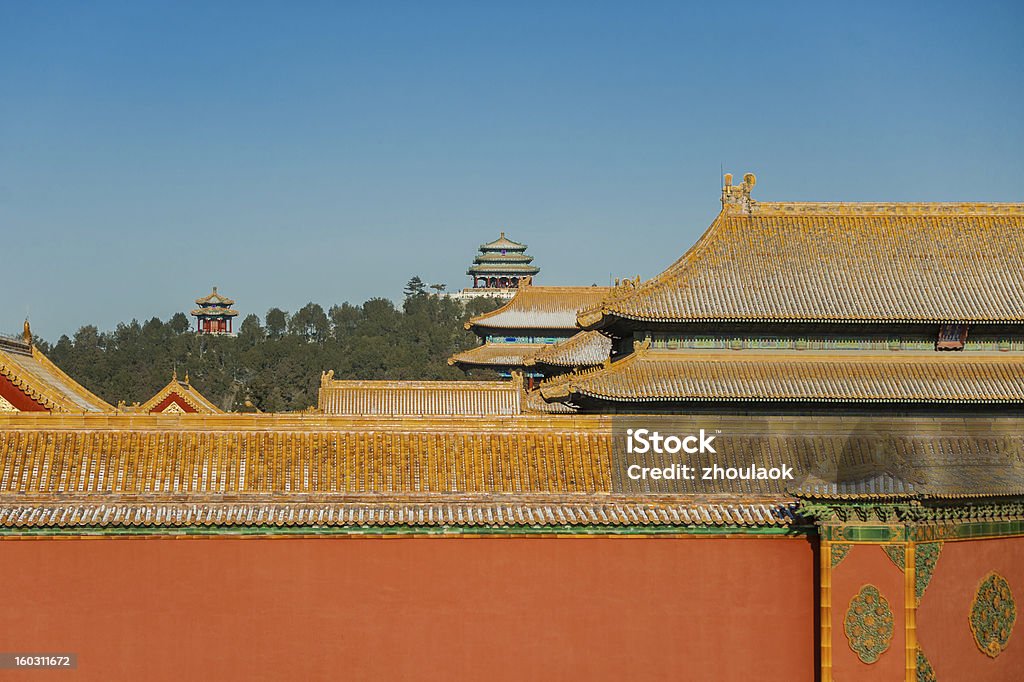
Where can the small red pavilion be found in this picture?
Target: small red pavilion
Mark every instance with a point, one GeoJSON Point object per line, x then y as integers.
{"type": "Point", "coordinates": [213, 316]}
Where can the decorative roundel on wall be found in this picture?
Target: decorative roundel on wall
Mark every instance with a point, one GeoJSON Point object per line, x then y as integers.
{"type": "Point", "coordinates": [993, 614]}
{"type": "Point", "coordinates": [869, 624]}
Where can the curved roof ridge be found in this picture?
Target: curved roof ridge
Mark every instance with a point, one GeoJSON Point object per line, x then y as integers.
{"type": "Point", "coordinates": [216, 298]}
{"type": "Point", "coordinates": [840, 262]}
{"type": "Point", "coordinates": [592, 317]}
{"type": "Point", "coordinates": [540, 307]}
{"type": "Point", "coordinates": [980, 208]}
{"type": "Point", "coordinates": [583, 349]}
{"type": "Point", "coordinates": [503, 242]}
{"type": "Point", "coordinates": [563, 386]}
{"type": "Point", "coordinates": [47, 384]}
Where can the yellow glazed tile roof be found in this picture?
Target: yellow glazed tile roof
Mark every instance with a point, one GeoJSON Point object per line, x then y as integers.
{"type": "Point", "coordinates": [34, 374]}
{"type": "Point", "coordinates": [884, 262]}
{"type": "Point", "coordinates": [418, 398]}
{"type": "Point", "coordinates": [584, 349]}
{"type": "Point", "coordinates": [503, 242]}
{"type": "Point", "coordinates": [229, 312]}
{"type": "Point", "coordinates": [812, 376]}
{"type": "Point", "coordinates": [306, 470]}
{"type": "Point", "coordinates": [216, 299]}
{"type": "Point", "coordinates": [497, 354]}
{"type": "Point", "coordinates": [536, 307]}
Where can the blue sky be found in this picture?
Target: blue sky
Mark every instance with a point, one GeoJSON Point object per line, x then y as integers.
{"type": "Point", "coordinates": [290, 152]}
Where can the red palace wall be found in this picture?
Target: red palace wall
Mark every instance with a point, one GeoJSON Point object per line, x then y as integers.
{"type": "Point", "coordinates": [864, 565]}
{"type": "Point", "coordinates": [943, 628]}
{"type": "Point", "coordinates": [494, 608]}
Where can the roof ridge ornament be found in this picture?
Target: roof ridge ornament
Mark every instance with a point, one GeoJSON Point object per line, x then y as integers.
{"type": "Point", "coordinates": [642, 345]}
{"type": "Point", "coordinates": [739, 195]}
{"type": "Point", "coordinates": [627, 283]}
{"type": "Point", "coordinates": [26, 334]}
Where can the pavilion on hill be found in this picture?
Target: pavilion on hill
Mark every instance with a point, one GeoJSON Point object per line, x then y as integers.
{"type": "Point", "coordinates": [214, 314]}
{"type": "Point", "coordinates": [499, 269]}
{"type": "Point", "coordinates": [501, 264]}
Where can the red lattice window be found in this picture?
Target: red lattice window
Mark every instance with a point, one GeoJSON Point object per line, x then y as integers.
{"type": "Point", "coordinates": [951, 337]}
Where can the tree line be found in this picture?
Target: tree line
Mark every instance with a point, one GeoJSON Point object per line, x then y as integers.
{"type": "Point", "coordinates": [274, 364]}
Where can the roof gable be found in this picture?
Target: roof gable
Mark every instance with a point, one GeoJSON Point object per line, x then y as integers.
{"type": "Point", "coordinates": [178, 397]}
{"type": "Point", "coordinates": [35, 376]}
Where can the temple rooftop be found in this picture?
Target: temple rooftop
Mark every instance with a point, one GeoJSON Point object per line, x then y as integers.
{"type": "Point", "coordinates": [649, 375]}
{"type": "Point", "coordinates": [540, 307]}
{"type": "Point", "coordinates": [837, 262]}
{"type": "Point", "coordinates": [178, 397]}
{"type": "Point", "coordinates": [30, 381]}
{"type": "Point", "coordinates": [215, 299]}
{"type": "Point", "coordinates": [546, 471]}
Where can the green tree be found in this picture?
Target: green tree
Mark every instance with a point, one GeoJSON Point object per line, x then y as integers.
{"type": "Point", "coordinates": [273, 368]}
{"type": "Point", "coordinates": [415, 287]}
{"type": "Point", "coordinates": [310, 323]}
{"type": "Point", "coordinates": [277, 322]}
{"type": "Point", "coordinates": [179, 323]}
{"type": "Point", "coordinates": [251, 332]}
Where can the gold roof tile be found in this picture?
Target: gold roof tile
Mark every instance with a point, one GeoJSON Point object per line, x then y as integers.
{"type": "Point", "coordinates": [535, 307]}
{"type": "Point", "coordinates": [805, 376]}
{"type": "Point", "coordinates": [497, 354]}
{"type": "Point", "coordinates": [584, 349]}
{"type": "Point", "coordinates": [419, 398]}
{"type": "Point", "coordinates": [283, 470]}
{"type": "Point", "coordinates": [880, 262]}
{"type": "Point", "coordinates": [35, 375]}
{"type": "Point", "coordinates": [216, 299]}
